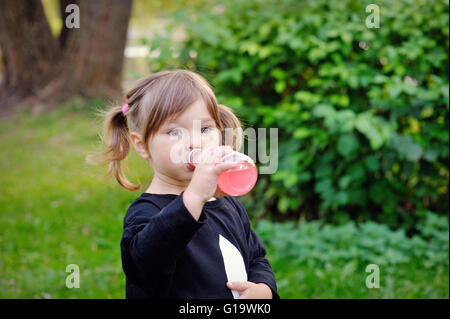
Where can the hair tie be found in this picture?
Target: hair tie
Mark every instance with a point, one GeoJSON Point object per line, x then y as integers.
{"type": "Point", "coordinates": [125, 108]}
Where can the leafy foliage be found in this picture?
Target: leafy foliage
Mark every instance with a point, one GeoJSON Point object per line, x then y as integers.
{"type": "Point", "coordinates": [369, 242]}
{"type": "Point", "coordinates": [308, 257]}
{"type": "Point", "coordinates": [362, 114]}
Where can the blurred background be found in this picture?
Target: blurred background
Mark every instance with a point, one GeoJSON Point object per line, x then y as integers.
{"type": "Point", "coordinates": [362, 116]}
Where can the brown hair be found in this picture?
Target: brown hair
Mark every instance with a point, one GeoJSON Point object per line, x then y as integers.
{"type": "Point", "coordinates": [153, 100]}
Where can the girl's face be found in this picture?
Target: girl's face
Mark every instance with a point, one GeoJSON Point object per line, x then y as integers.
{"type": "Point", "coordinates": [170, 145]}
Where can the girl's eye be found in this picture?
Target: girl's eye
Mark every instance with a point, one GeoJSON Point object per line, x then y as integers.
{"type": "Point", "coordinates": [204, 129]}
{"type": "Point", "coordinates": [174, 132]}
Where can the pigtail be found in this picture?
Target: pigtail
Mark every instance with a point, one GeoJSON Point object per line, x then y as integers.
{"type": "Point", "coordinates": [117, 141]}
{"type": "Point", "coordinates": [231, 127]}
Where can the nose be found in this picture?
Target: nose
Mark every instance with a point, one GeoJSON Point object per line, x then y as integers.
{"type": "Point", "coordinates": [194, 141]}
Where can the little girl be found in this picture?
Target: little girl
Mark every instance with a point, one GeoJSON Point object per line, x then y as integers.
{"type": "Point", "coordinates": [172, 236]}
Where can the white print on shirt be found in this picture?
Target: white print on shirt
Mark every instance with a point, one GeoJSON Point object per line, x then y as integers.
{"type": "Point", "coordinates": [234, 263]}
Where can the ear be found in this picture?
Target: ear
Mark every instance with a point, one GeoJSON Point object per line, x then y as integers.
{"type": "Point", "coordinates": [139, 145]}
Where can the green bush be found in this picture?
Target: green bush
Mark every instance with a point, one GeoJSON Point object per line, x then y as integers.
{"type": "Point", "coordinates": [362, 114]}
{"type": "Point", "coordinates": [320, 261]}
{"type": "Point", "coordinates": [318, 244]}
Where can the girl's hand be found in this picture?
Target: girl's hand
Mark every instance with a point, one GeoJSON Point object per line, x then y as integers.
{"type": "Point", "coordinates": [204, 178]}
{"type": "Point", "coordinates": [251, 290]}
{"type": "Point", "coordinates": [203, 184]}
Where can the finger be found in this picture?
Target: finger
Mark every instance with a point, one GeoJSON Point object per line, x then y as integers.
{"type": "Point", "coordinates": [238, 285]}
{"type": "Point", "coordinates": [210, 155]}
{"type": "Point", "coordinates": [216, 155]}
{"type": "Point", "coordinates": [213, 154]}
{"type": "Point", "coordinates": [206, 154]}
{"type": "Point", "coordinates": [219, 152]}
{"type": "Point", "coordinates": [219, 168]}
{"type": "Point", "coordinates": [245, 295]}
{"type": "Point", "coordinates": [225, 149]}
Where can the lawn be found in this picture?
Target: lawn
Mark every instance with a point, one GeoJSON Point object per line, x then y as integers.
{"type": "Point", "coordinates": [56, 210]}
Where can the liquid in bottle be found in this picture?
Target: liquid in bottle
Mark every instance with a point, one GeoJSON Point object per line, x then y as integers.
{"type": "Point", "coordinates": [237, 181]}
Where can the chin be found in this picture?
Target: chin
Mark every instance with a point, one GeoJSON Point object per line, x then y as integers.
{"type": "Point", "coordinates": [185, 173]}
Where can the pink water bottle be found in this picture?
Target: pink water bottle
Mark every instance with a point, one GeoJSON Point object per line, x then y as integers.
{"type": "Point", "coordinates": [237, 181]}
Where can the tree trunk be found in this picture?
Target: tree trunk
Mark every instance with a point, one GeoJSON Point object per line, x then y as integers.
{"type": "Point", "coordinates": [41, 71]}
{"type": "Point", "coordinates": [28, 49]}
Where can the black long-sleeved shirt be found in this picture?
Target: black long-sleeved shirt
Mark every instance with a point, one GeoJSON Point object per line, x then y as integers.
{"type": "Point", "coordinates": [167, 253]}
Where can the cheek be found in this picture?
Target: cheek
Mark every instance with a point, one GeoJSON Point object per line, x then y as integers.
{"type": "Point", "coordinates": [157, 150]}
{"type": "Point", "coordinates": [176, 153]}
{"type": "Point", "coordinates": [212, 138]}
{"type": "Point", "coordinates": [168, 152]}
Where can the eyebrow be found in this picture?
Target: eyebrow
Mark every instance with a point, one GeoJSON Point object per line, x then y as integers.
{"type": "Point", "coordinates": [206, 119]}
{"type": "Point", "coordinates": [203, 119]}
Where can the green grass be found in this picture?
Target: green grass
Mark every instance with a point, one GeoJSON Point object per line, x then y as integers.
{"type": "Point", "coordinates": [347, 280]}
{"type": "Point", "coordinates": [314, 262]}
{"type": "Point", "coordinates": [56, 210]}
